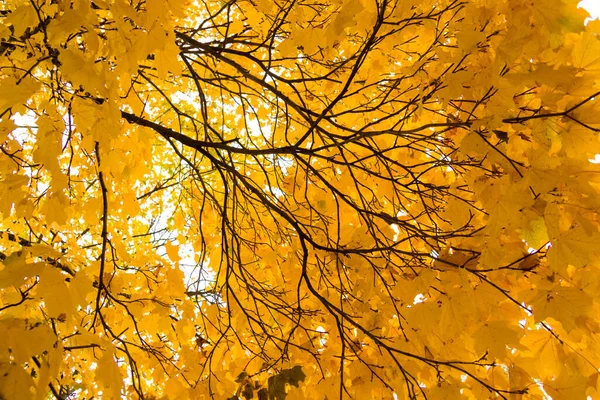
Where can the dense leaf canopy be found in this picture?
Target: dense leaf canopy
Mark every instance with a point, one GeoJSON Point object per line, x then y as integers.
{"type": "Point", "coordinates": [299, 199]}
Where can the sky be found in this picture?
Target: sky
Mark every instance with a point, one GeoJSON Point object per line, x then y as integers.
{"type": "Point", "coordinates": [592, 6]}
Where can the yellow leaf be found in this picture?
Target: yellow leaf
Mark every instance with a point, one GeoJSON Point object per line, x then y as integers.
{"type": "Point", "coordinates": [568, 385]}
{"type": "Point", "coordinates": [586, 52]}
{"type": "Point", "coordinates": [22, 340]}
{"type": "Point", "coordinates": [468, 40]}
{"type": "Point", "coordinates": [109, 375]}
{"type": "Point", "coordinates": [15, 382]}
{"type": "Point", "coordinates": [16, 93]}
{"type": "Point", "coordinates": [575, 247]}
{"type": "Point", "coordinates": [172, 252]}
{"type": "Point", "coordinates": [15, 270]}
{"type": "Point", "coordinates": [22, 18]}
{"type": "Point", "coordinates": [49, 143]}
{"type": "Point", "coordinates": [11, 192]}
{"type": "Point", "coordinates": [564, 304]}
{"type": "Point", "coordinates": [494, 337]}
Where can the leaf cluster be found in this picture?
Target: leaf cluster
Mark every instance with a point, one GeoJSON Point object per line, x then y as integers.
{"type": "Point", "coordinates": [299, 199]}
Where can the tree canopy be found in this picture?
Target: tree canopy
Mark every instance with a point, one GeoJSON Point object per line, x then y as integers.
{"type": "Point", "coordinates": [325, 199]}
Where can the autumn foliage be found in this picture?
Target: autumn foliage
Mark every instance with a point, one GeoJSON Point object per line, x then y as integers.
{"type": "Point", "coordinates": [299, 199]}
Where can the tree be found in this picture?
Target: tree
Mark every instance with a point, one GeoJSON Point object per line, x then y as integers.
{"type": "Point", "coordinates": [299, 199]}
